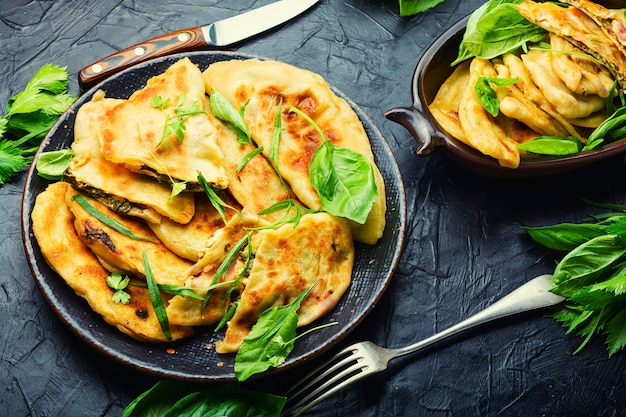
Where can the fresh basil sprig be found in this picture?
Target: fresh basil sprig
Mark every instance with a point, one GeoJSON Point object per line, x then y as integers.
{"type": "Point", "coordinates": [343, 178]}
{"type": "Point", "coordinates": [496, 28]}
{"type": "Point", "coordinates": [271, 339]}
{"type": "Point", "coordinates": [591, 275]}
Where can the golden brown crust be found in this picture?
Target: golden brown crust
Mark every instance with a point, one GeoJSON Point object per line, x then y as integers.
{"type": "Point", "coordinates": [263, 84]}
{"type": "Point", "coordinates": [80, 269]}
{"type": "Point", "coordinates": [288, 260]}
{"type": "Point", "coordinates": [142, 147]}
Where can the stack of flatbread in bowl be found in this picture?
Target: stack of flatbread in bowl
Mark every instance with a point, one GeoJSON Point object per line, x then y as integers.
{"type": "Point", "coordinates": [557, 87]}
{"type": "Point", "coordinates": [148, 162]}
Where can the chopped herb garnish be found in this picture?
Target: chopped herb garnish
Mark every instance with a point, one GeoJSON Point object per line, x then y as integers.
{"type": "Point", "coordinates": [248, 157]}
{"type": "Point", "coordinates": [119, 283]}
{"type": "Point", "coordinates": [215, 199]}
{"type": "Point", "coordinates": [155, 298]}
{"type": "Point", "coordinates": [175, 124]}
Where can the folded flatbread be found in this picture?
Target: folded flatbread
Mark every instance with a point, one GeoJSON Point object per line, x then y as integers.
{"type": "Point", "coordinates": [262, 85]}
{"type": "Point", "coordinates": [256, 186]}
{"type": "Point", "coordinates": [122, 251]}
{"type": "Point", "coordinates": [580, 29]}
{"type": "Point", "coordinates": [81, 270]}
{"type": "Point", "coordinates": [111, 183]}
{"type": "Point", "coordinates": [318, 253]}
{"type": "Point", "coordinates": [135, 131]}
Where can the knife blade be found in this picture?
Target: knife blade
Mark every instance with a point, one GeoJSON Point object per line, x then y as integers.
{"type": "Point", "coordinates": [217, 34]}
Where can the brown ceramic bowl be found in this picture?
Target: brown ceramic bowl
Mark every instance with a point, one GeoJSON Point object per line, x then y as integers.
{"type": "Point", "coordinates": [431, 71]}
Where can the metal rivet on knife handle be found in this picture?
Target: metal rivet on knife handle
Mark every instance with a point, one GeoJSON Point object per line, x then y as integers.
{"type": "Point", "coordinates": [174, 42]}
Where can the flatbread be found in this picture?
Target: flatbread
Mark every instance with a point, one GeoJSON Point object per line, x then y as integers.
{"type": "Point", "coordinates": [80, 269]}
{"type": "Point", "coordinates": [188, 240]}
{"type": "Point", "coordinates": [487, 135]}
{"type": "Point", "coordinates": [112, 184]}
{"type": "Point", "coordinates": [122, 251]}
{"type": "Point", "coordinates": [142, 147]}
{"type": "Point", "coordinates": [288, 260]}
{"type": "Point", "coordinates": [262, 84]}
{"type": "Point", "coordinates": [577, 27]}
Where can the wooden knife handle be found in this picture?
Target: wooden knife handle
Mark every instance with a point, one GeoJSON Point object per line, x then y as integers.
{"type": "Point", "coordinates": [174, 42]}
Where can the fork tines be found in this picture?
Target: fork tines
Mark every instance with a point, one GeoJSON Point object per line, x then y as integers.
{"type": "Point", "coordinates": [342, 369]}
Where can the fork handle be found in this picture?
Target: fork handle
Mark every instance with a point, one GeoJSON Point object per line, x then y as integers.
{"type": "Point", "coordinates": [531, 296]}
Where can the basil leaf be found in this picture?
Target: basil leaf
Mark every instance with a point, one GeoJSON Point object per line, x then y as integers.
{"type": "Point", "coordinates": [552, 145]}
{"type": "Point", "coordinates": [51, 165]}
{"type": "Point", "coordinates": [614, 122]}
{"type": "Point", "coordinates": [584, 264]}
{"type": "Point", "coordinates": [565, 236]}
{"type": "Point", "coordinates": [155, 299]}
{"type": "Point", "coordinates": [231, 402]}
{"type": "Point", "coordinates": [270, 341]}
{"type": "Point", "coordinates": [112, 223]}
{"type": "Point", "coordinates": [496, 28]}
{"type": "Point", "coordinates": [413, 7]}
{"type": "Point", "coordinates": [487, 96]}
{"type": "Point", "coordinates": [223, 110]}
{"type": "Point", "coordinates": [344, 180]}
{"type": "Point", "coordinates": [173, 398]}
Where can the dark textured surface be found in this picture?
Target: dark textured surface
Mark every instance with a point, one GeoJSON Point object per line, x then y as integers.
{"type": "Point", "coordinates": [464, 245]}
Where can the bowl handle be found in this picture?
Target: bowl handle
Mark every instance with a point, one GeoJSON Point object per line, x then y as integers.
{"type": "Point", "coordinates": [417, 123]}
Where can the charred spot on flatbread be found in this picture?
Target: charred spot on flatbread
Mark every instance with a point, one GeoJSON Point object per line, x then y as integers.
{"type": "Point", "coordinates": [81, 270]}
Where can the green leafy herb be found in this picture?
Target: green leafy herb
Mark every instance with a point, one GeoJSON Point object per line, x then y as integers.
{"type": "Point", "coordinates": [107, 220]}
{"type": "Point", "coordinates": [343, 178]}
{"type": "Point", "coordinates": [413, 7]}
{"type": "Point", "coordinates": [155, 298]}
{"type": "Point", "coordinates": [275, 144]}
{"type": "Point", "coordinates": [175, 124]}
{"type": "Point", "coordinates": [224, 110]}
{"type": "Point", "coordinates": [248, 157]}
{"type": "Point", "coordinates": [229, 315]}
{"type": "Point", "coordinates": [119, 283]}
{"type": "Point", "coordinates": [215, 199]}
{"type": "Point", "coordinates": [270, 341]}
{"type": "Point", "coordinates": [231, 257]}
{"type": "Point", "coordinates": [287, 206]}
{"type": "Point", "coordinates": [487, 95]}
{"type": "Point", "coordinates": [29, 116]}
{"type": "Point", "coordinates": [51, 165]}
{"type": "Point", "coordinates": [178, 399]}
{"type": "Point", "coordinates": [552, 145]}
{"type": "Point", "coordinates": [496, 28]}
{"type": "Point", "coordinates": [591, 275]}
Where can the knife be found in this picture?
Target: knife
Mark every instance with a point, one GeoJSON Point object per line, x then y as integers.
{"type": "Point", "coordinates": [217, 34]}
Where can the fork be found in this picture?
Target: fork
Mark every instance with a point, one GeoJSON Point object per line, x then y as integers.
{"type": "Point", "coordinates": [365, 358]}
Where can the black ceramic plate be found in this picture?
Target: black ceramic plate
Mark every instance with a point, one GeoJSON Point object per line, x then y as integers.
{"type": "Point", "coordinates": [191, 359]}
{"type": "Point", "coordinates": [432, 69]}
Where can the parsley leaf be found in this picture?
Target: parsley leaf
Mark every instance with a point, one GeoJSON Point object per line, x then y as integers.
{"type": "Point", "coordinates": [29, 116]}
{"type": "Point", "coordinates": [118, 283]}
